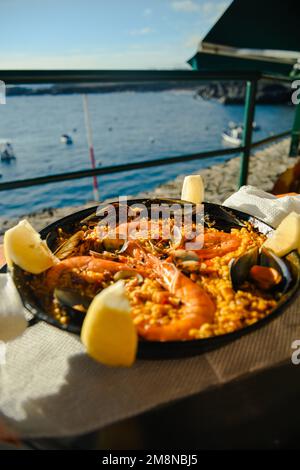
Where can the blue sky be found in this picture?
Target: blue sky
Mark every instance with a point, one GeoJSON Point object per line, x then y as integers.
{"type": "Point", "coordinates": [103, 34]}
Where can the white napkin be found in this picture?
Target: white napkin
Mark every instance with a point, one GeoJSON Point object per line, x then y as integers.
{"type": "Point", "coordinates": [264, 206]}
{"type": "Point", "coordinates": [12, 314]}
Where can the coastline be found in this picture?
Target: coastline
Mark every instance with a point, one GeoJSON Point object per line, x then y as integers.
{"type": "Point", "coordinates": [226, 92]}
{"type": "Point", "coordinates": [220, 181]}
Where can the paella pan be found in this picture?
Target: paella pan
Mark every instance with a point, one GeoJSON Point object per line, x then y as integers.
{"type": "Point", "coordinates": [184, 298]}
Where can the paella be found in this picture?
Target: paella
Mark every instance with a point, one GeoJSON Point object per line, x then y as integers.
{"type": "Point", "coordinates": [177, 291]}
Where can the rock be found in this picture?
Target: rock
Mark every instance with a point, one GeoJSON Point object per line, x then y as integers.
{"type": "Point", "coordinates": [234, 92]}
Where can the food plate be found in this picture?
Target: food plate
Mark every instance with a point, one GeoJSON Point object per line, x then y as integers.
{"type": "Point", "coordinates": [223, 219]}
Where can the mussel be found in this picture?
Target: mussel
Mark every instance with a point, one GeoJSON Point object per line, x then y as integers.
{"type": "Point", "coordinates": [113, 244]}
{"type": "Point", "coordinates": [128, 274]}
{"type": "Point", "coordinates": [263, 267]}
{"type": "Point", "coordinates": [70, 246]}
{"type": "Point", "coordinates": [74, 303]}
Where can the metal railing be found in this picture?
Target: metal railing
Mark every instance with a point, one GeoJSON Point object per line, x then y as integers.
{"type": "Point", "coordinates": [118, 76]}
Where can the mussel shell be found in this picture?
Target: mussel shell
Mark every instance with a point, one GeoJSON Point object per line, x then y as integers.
{"type": "Point", "coordinates": [113, 244]}
{"type": "Point", "coordinates": [69, 298]}
{"type": "Point", "coordinates": [70, 246]}
{"type": "Point", "coordinates": [185, 255]}
{"type": "Point", "coordinates": [240, 267]}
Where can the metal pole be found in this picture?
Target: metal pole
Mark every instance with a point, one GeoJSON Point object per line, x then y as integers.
{"type": "Point", "coordinates": [248, 127]}
{"type": "Point", "coordinates": [90, 144]}
{"type": "Point", "coordinates": [295, 137]}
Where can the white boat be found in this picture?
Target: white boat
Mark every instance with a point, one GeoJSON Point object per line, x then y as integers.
{"type": "Point", "coordinates": [6, 151]}
{"type": "Point", "coordinates": [233, 136]}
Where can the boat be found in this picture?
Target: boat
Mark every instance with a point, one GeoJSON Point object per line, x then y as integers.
{"type": "Point", "coordinates": [66, 139]}
{"type": "Point", "coordinates": [233, 136]}
{"type": "Point", "coordinates": [6, 151]}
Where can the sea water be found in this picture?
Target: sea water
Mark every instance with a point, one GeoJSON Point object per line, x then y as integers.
{"type": "Point", "coordinates": [127, 127]}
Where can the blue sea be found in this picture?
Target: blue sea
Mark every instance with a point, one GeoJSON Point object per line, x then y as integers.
{"type": "Point", "coordinates": [127, 127]}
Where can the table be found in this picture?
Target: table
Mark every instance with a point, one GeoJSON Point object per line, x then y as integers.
{"type": "Point", "coordinates": [258, 410]}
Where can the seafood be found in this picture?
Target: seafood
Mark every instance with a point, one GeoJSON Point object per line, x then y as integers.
{"type": "Point", "coordinates": [263, 267]}
{"type": "Point", "coordinates": [70, 246]}
{"type": "Point", "coordinates": [177, 291]}
{"type": "Point", "coordinates": [83, 269]}
{"type": "Point", "coordinates": [197, 306]}
{"type": "Point", "coordinates": [217, 243]}
{"type": "Point", "coordinates": [265, 278]}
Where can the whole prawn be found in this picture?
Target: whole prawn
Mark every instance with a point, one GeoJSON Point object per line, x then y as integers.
{"type": "Point", "coordinates": [197, 306]}
{"type": "Point", "coordinates": [83, 267]}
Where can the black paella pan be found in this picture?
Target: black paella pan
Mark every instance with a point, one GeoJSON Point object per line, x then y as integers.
{"type": "Point", "coordinates": [223, 219]}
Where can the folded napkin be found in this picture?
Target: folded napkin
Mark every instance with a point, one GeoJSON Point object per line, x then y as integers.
{"type": "Point", "coordinates": [12, 314]}
{"type": "Point", "coordinates": [264, 206]}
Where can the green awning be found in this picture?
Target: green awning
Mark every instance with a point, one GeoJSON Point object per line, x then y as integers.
{"type": "Point", "coordinates": [213, 62]}
{"type": "Point", "coordinates": [259, 24]}
{"type": "Point", "coordinates": [253, 35]}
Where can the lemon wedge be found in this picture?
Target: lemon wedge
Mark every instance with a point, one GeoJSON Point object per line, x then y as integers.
{"type": "Point", "coordinates": [193, 189]}
{"type": "Point", "coordinates": [108, 332]}
{"type": "Point", "coordinates": [24, 247]}
{"type": "Point", "coordinates": [286, 237]}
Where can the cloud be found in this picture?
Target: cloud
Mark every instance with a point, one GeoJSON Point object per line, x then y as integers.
{"type": "Point", "coordinates": [212, 8]}
{"type": "Point", "coordinates": [147, 12]}
{"type": "Point", "coordinates": [185, 5]}
{"type": "Point", "coordinates": [208, 8]}
{"type": "Point", "coordinates": [141, 32]}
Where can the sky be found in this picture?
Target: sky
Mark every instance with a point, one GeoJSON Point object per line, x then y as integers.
{"type": "Point", "coordinates": [103, 34]}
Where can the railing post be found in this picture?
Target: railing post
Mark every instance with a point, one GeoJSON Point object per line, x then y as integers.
{"type": "Point", "coordinates": [295, 137]}
{"type": "Point", "coordinates": [248, 127]}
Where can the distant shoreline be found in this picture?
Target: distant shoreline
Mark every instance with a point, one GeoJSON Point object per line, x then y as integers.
{"type": "Point", "coordinates": [230, 92]}
{"type": "Point", "coordinates": [69, 89]}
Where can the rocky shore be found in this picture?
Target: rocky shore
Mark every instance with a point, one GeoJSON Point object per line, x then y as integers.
{"type": "Point", "coordinates": [220, 181]}
{"type": "Point", "coordinates": [232, 92]}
